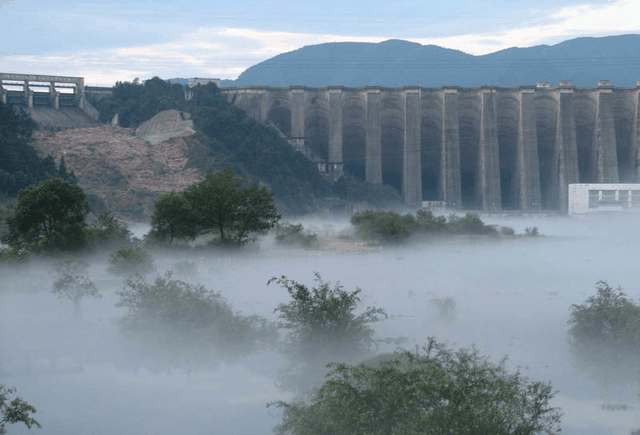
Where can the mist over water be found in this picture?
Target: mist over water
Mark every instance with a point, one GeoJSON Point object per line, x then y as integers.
{"type": "Point", "coordinates": [512, 297]}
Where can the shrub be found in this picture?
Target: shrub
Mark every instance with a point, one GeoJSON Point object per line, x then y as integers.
{"type": "Point", "coordinates": [470, 224]}
{"type": "Point", "coordinates": [384, 226]}
{"type": "Point", "coordinates": [507, 231]}
{"type": "Point", "coordinates": [129, 260]}
{"type": "Point", "coordinates": [428, 223]}
{"type": "Point", "coordinates": [294, 235]}
{"type": "Point", "coordinates": [15, 410]}
{"type": "Point", "coordinates": [180, 323]}
{"type": "Point", "coordinates": [433, 391]}
{"type": "Point", "coordinates": [72, 283]}
{"type": "Point", "coordinates": [323, 327]}
{"type": "Point", "coordinates": [531, 232]}
{"type": "Point", "coordinates": [604, 334]}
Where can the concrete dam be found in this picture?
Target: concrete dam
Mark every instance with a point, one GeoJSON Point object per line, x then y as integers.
{"type": "Point", "coordinates": [487, 148]}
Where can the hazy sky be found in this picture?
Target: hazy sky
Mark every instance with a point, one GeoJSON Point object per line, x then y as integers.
{"type": "Point", "coordinates": [106, 41]}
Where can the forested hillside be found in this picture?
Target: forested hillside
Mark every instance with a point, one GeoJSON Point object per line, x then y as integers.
{"type": "Point", "coordinates": [226, 136]}
{"type": "Point", "coordinates": [20, 166]}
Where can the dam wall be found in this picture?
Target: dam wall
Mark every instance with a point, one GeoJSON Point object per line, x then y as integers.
{"type": "Point", "coordinates": [486, 148]}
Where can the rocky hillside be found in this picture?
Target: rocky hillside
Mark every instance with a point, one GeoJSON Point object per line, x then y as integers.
{"type": "Point", "coordinates": [125, 169]}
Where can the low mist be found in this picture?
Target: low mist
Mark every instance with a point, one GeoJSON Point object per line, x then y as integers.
{"type": "Point", "coordinates": [507, 296]}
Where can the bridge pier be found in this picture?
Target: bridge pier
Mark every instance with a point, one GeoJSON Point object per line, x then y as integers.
{"type": "Point", "coordinates": [297, 116]}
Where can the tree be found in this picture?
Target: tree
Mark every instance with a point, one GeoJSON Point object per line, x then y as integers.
{"type": "Point", "coordinates": [72, 283]}
{"type": "Point", "coordinates": [106, 232]}
{"type": "Point", "coordinates": [222, 206]}
{"type": "Point", "coordinates": [604, 334]}
{"type": "Point", "coordinates": [172, 218]}
{"type": "Point", "coordinates": [323, 327]}
{"type": "Point", "coordinates": [130, 259]}
{"type": "Point", "coordinates": [15, 410]}
{"type": "Point", "coordinates": [429, 392]}
{"type": "Point", "coordinates": [50, 215]}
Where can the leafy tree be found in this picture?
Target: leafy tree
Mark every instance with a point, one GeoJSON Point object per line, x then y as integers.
{"type": "Point", "coordinates": [130, 259]}
{"type": "Point", "coordinates": [172, 218]}
{"type": "Point", "coordinates": [604, 334]}
{"type": "Point", "coordinates": [222, 206]}
{"type": "Point", "coordinates": [182, 323]}
{"type": "Point", "coordinates": [106, 232]}
{"type": "Point", "coordinates": [72, 283]}
{"type": "Point", "coordinates": [433, 391]}
{"type": "Point", "coordinates": [15, 410]}
{"type": "Point", "coordinates": [50, 215]}
{"type": "Point", "coordinates": [323, 326]}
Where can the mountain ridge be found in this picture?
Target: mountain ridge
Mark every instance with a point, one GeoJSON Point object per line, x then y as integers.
{"type": "Point", "coordinates": [396, 63]}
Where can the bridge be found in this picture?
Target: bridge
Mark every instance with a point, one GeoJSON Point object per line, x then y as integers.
{"type": "Point", "coordinates": [486, 148]}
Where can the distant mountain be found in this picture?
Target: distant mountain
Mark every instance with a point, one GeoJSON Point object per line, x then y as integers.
{"type": "Point", "coordinates": [400, 63]}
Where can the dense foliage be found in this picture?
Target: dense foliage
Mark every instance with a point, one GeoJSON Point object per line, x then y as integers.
{"type": "Point", "coordinates": [20, 165]}
{"type": "Point", "coordinates": [229, 136]}
{"type": "Point", "coordinates": [604, 333]}
{"type": "Point", "coordinates": [129, 260]}
{"type": "Point", "coordinates": [219, 205]}
{"type": "Point", "coordinates": [433, 391]}
{"type": "Point", "coordinates": [15, 410]}
{"type": "Point", "coordinates": [49, 216]}
{"type": "Point", "coordinates": [393, 227]}
{"type": "Point", "coordinates": [175, 323]}
{"type": "Point", "coordinates": [294, 235]}
{"type": "Point", "coordinates": [323, 327]}
{"type": "Point", "coordinates": [106, 232]}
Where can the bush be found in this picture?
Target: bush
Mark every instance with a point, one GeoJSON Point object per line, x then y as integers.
{"type": "Point", "coordinates": [433, 391]}
{"type": "Point", "coordinates": [470, 224]}
{"type": "Point", "coordinates": [507, 231]}
{"type": "Point", "coordinates": [129, 260]}
{"type": "Point", "coordinates": [14, 255]}
{"type": "Point", "coordinates": [72, 283]}
{"type": "Point", "coordinates": [294, 235]}
{"type": "Point", "coordinates": [383, 226]}
{"type": "Point", "coordinates": [604, 334]}
{"type": "Point", "coordinates": [323, 327]}
{"type": "Point", "coordinates": [180, 323]}
{"type": "Point", "coordinates": [531, 232]}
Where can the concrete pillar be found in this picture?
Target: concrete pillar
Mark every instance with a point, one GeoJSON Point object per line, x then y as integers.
{"type": "Point", "coordinates": [28, 93]}
{"type": "Point", "coordinates": [606, 156]}
{"type": "Point", "coordinates": [297, 115]}
{"type": "Point", "coordinates": [566, 151]}
{"type": "Point", "coordinates": [335, 124]}
{"type": "Point", "coordinates": [450, 182]}
{"type": "Point", "coordinates": [488, 183]}
{"type": "Point", "coordinates": [373, 152]}
{"type": "Point", "coordinates": [55, 97]}
{"type": "Point", "coordinates": [635, 134]}
{"type": "Point", "coordinates": [527, 163]}
{"type": "Point", "coordinates": [412, 164]}
{"type": "Point", "coordinates": [3, 93]}
{"type": "Point", "coordinates": [263, 101]}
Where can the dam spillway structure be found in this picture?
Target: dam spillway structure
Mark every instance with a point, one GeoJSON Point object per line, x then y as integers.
{"type": "Point", "coordinates": [486, 148]}
{"type": "Point", "coordinates": [53, 102]}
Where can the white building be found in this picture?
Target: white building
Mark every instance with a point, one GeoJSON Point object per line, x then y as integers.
{"type": "Point", "coordinates": [590, 198]}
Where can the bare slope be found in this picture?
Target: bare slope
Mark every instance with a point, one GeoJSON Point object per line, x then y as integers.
{"type": "Point", "coordinates": [126, 171]}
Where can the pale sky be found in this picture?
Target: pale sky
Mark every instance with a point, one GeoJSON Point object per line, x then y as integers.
{"type": "Point", "coordinates": [109, 41]}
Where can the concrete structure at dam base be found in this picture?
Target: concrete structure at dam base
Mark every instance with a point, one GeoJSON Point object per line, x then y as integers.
{"type": "Point", "coordinates": [486, 148]}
